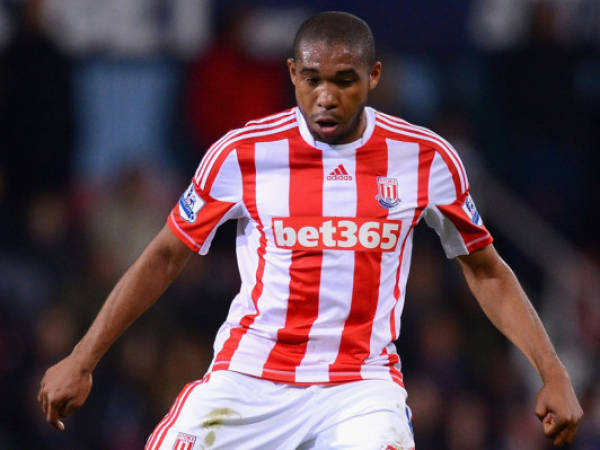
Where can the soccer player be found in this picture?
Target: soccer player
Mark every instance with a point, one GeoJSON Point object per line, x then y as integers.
{"type": "Point", "coordinates": [326, 196]}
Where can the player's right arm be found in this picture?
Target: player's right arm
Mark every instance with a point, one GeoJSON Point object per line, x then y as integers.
{"type": "Point", "coordinates": [66, 385]}
{"type": "Point", "coordinates": [213, 196]}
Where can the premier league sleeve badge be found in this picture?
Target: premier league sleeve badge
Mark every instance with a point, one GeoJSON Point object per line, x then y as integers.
{"type": "Point", "coordinates": [471, 211]}
{"type": "Point", "coordinates": [189, 204]}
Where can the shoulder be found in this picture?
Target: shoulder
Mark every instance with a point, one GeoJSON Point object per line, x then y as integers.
{"type": "Point", "coordinates": [272, 119]}
{"type": "Point", "coordinates": [400, 129]}
{"type": "Point", "coordinates": [274, 123]}
{"type": "Point", "coordinates": [257, 130]}
{"type": "Point", "coordinates": [396, 128]}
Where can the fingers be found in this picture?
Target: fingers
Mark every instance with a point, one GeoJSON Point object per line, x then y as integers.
{"type": "Point", "coordinates": [552, 425]}
{"type": "Point", "coordinates": [558, 409]}
{"type": "Point", "coordinates": [69, 407]}
{"type": "Point", "coordinates": [52, 409]}
{"type": "Point", "coordinates": [572, 430]}
{"type": "Point", "coordinates": [560, 438]}
{"type": "Point", "coordinates": [565, 436]}
{"type": "Point", "coordinates": [64, 388]}
{"type": "Point", "coordinates": [561, 431]}
{"type": "Point", "coordinates": [41, 397]}
{"type": "Point", "coordinates": [53, 415]}
{"type": "Point", "coordinates": [541, 410]}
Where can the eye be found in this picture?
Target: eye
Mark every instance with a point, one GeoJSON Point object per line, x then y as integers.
{"type": "Point", "coordinates": [345, 82]}
{"type": "Point", "coordinates": [312, 81]}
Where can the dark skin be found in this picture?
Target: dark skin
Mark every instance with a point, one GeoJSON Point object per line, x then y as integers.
{"type": "Point", "coordinates": [332, 84]}
{"type": "Point", "coordinates": [504, 302]}
{"type": "Point", "coordinates": [67, 384]}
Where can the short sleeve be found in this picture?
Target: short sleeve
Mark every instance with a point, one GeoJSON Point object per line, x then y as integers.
{"type": "Point", "coordinates": [213, 196]}
{"type": "Point", "coordinates": [451, 211]}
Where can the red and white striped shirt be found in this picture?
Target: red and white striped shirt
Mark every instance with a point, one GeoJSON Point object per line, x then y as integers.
{"type": "Point", "coordinates": [324, 240]}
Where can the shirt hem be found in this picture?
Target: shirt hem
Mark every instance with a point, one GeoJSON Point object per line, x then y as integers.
{"type": "Point", "coordinates": [283, 377]}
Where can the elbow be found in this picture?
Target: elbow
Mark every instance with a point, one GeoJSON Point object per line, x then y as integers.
{"type": "Point", "coordinates": [497, 269]}
{"type": "Point", "coordinates": [166, 255]}
{"type": "Point", "coordinates": [171, 261]}
{"type": "Point", "coordinates": [484, 264]}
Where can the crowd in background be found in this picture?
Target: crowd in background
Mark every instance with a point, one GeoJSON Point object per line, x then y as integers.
{"type": "Point", "coordinates": [107, 107]}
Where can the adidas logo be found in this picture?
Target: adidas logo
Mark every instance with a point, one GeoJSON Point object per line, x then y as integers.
{"type": "Point", "coordinates": [339, 173]}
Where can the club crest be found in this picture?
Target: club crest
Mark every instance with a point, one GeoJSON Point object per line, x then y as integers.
{"type": "Point", "coordinates": [184, 441]}
{"type": "Point", "coordinates": [388, 192]}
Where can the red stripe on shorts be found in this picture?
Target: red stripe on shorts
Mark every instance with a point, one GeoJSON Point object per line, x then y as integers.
{"type": "Point", "coordinates": [159, 433]}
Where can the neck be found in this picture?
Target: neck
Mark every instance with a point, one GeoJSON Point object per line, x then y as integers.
{"type": "Point", "coordinates": [358, 128]}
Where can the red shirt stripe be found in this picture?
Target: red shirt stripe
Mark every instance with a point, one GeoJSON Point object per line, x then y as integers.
{"type": "Point", "coordinates": [426, 155]}
{"type": "Point", "coordinates": [453, 155]}
{"type": "Point", "coordinates": [414, 134]}
{"type": "Point", "coordinates": [306, 198]}
{"type": "Point", "coordinates": [307, 315]}
{"type": "Point", "coordinates": [356, 335]}
{"type": "Point", "coordinates": [248, 168]}
{"type": "Point", "coordinates": [231, 140]}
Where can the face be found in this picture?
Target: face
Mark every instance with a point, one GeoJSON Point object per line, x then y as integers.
{"type": "Point", "coordinates": [332, 84]}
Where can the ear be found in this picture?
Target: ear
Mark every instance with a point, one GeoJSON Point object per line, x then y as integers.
{"type": "Point", "coordinates": [291, 63]}
{"type": "Point", "coordinates": [374, 75]}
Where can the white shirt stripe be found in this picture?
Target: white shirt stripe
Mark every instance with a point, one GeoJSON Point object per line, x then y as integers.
{"type": "Point", "coordinates": [406, 131]}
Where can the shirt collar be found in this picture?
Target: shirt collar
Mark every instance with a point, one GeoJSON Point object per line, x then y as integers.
{"type": "Point", "coordinates": [310, 140]}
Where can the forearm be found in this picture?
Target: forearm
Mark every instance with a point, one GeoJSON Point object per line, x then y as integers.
{"type": "Point", "coordinates": [142, 284]}
{"type": "Point", "coordinates": [504, 302]}
{"type": "Point", "coordinates": [502, 299]}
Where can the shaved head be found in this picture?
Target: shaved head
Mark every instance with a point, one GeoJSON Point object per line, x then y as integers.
{"type": "Point", "coordinates": [337, 28]}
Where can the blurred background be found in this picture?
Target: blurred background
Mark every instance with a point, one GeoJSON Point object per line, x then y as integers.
{"type": "Point", "coordinates": [107, 107]}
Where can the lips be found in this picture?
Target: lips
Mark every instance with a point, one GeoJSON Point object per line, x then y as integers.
{"type": "Point", "coordinates": [326, 125]}
{"type": "Point", "coordinates": [325, 120]}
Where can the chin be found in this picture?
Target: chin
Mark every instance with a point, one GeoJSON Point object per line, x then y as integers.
{"type": "Point", "coordinates": [331, 140]}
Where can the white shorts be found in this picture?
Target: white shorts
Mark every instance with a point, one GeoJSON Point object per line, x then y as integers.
{"type": "Point", "coordinates": [230, 410]}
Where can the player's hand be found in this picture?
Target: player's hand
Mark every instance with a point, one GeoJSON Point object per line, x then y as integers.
{"type": "Point", "coordinates": [558, 409]}
{"type": "Point", "coordinates": [63, 389]}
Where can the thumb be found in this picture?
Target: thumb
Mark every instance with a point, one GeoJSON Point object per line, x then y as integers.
{"type": "Point", "coordinates": [541, 408]}
{"type": "Point", "coordinates": [551, 425]}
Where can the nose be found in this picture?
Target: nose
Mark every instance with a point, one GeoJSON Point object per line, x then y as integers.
{"type": "Point", "coordinates": [327, 98]}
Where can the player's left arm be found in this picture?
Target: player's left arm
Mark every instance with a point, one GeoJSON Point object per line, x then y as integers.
{"type": "Point", "coordinates": [504, 302]}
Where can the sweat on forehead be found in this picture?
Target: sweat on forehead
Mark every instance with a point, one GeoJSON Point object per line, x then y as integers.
{"type": "Point", "coordinates": [311, 51]}
{"type": "Point", "coordinates": [336, 28]}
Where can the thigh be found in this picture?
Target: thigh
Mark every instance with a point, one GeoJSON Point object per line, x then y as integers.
{"type": "Point", "coordinates": [366, 415]}
{"type": "Point", "coordinates": [231, 411]}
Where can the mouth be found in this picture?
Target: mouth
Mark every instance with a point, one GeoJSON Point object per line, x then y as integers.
{"type": "Point", "coordinates": [326, 126]}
